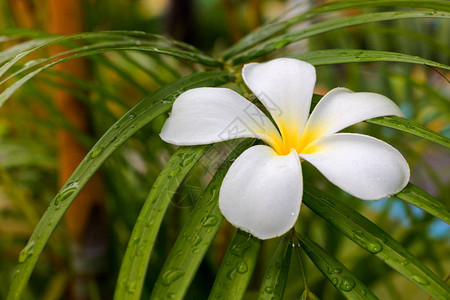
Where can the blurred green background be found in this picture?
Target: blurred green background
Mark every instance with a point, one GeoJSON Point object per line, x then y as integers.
{"type": "Point", "coordinates": [86, 267]}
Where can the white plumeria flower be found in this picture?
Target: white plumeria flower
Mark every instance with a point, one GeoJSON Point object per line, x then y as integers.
{"type": "Point", "coordinates": [262, 191]}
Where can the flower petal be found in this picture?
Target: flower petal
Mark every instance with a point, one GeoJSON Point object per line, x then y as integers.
{"type": "Point", "coordinates": [285, 87]}
{"type": "Point", "coordinates": [340, 108]}
{"type": "Point", "coordinates": [262, 192]}
{"type": "Point", "coordinates": [208, 115]}
{"type": "Point", "coordinates": [361, 165]}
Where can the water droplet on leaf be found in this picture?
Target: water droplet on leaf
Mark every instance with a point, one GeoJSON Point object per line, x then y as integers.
{"type": "Point", "coordinates": [170, 276]}
{"type": "Point", "coordinates": [26, 252]}
{"type": "Point", "coordinates": [211, 221]}
{"type": "Point", "coordinates": [347, 284]}
{"type": "Point", "coordinates": [96, 152]}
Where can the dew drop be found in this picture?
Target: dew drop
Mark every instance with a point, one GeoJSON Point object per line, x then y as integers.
{"type": "Point", "coordinates": [65, 193]}
{"type": "Point", "coordinates": [131, 117]}
{"type": "Point", "coordinates": [334, 281]}
{"type": "Point", "coordinates": [195, 240]}
{"type": "Point", "coordinates": [239, 249]}
{"type": "Point", "coordinates": [26, 252]}
{"type": "Point", "coordinates": [372, 245]}
{"type": "Point", "coordinates": [174, 172]}
{"type": "Point", "coordinates": [187, 160]}
{"type": "Point", "coordinates": [269, 289]}
{"type": "Point", "coordinates": [242, 267]}
{"type": "Point", "coordinates": [170, 276]}
{"type": "Point", "coordinates": [280, 44]}
{"type": "Point", "coordinates": [29, 63]}
{"type": "Point", "coordinates": [211, 221]}
{"type": "Point", "coordinates": [131, 287]}
{"type": "Point", "coordinates": [96, 152]}
{"type": "Point", "coordinates": [150, 222]}
{"type": "Point", "coordinates": [419, 280]}
{"type": "Point", "coordinates": [347, 284]}
{"type": "Point", "coordinates": [230, 274]}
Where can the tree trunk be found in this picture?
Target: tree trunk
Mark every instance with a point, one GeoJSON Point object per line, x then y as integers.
{"type": "Point", "coordinates": [86, 218]}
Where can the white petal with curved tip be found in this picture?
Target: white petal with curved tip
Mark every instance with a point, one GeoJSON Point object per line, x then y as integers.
{"type": "Point", "coordinates": [262, 192]}
{"type": "Point", "coordinates": [285, 87]}
{"type": "Point", "coordinates": [361, 165]}
{"type": "Point", "coordinates": [208, 115]}
{"type": "Point", "coordinates": [340, 108]}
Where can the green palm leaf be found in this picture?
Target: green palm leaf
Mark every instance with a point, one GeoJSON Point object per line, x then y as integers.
{"type": "Point", "coordinates": [328, 25]}
{"type": "Point", "coordinates": [341, 278]}
{"type": "Point", "coordinates": [195, 238]}
{"type": "Point", "coordinates": [340, 56]}
{"type": "Point", "coordinates": [237, 267]}
{"type": "Point", "coordinates": [370, 237]}
{"type": "Point", "coordinates": [151, 107]}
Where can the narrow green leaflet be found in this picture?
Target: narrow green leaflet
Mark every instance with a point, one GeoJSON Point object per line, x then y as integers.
{"type": "Point", "coordinates": [135, 262]}
{"type": "Point", "coordinates": [45, 43]}
{"type": "Point", "coordinates": [194, 240]}
{"type": "Point", "coordinates": [237, 267]}
{"type": "Point", "coordinates": [329, 25]}
{"type": "Point", "coordinates": [411, 127]}
{"type": "Point", "coordinates": [169, 46]}
{"type": "Point", "coordinates": [339, 56]}
{"type": "Point", "coordinates": [144, 112]}
{"type": "Point", "coordinates": [341, 278]}
{"type": "Point", "coordinates": [276, 28]}
{"type": "Point", "coordinates": [275, 278]}
{"type": "Point", "coordinates": [82, 52]}
{"type": "Point", "coordinates": [20, 33]}
{"type": "Point", "coordinates": [421, 199]}
{"type": "Point", "coordinates": [372, 238]}
{"type": "Point", "coordinates": [11, 52]}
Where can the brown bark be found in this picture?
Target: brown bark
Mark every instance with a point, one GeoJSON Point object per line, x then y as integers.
{"type": "Point", "coordinates": [232, 20]}
{"type": "Point", "coordinates": [255, 10]}
{"type": "Point", "coordinates": [23, 12]}
{"type": "Point", "coordinates": [85, 219]}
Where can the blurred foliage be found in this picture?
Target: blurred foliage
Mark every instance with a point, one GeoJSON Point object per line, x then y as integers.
{"type": "Point", "coordinates": [120, 78]}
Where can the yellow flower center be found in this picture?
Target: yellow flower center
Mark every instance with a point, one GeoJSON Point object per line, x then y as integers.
{"type": "Point", "coordinates": [291, 139]}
